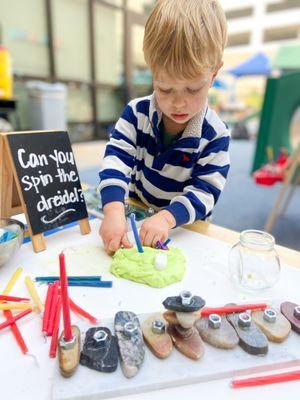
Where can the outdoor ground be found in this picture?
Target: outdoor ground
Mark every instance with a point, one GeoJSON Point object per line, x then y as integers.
{"type": "Point", "coordinates": [242, 205]}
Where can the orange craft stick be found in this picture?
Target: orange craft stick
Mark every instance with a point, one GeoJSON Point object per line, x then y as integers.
{"type": "Point", "coordinates": [53, 309]}
{"type": "Point", "coordinates": [47, 308]}
{"type": "Point", "coordinates": [15, 330]}
{"type": "Point", "coordinates": [12, 298]}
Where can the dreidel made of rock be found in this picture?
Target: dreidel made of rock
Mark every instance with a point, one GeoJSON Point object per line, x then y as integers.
{"type": "Point", "coordinates": [69, 341]}
{"type": "Point", "coordinates": [273, 324]}
{"type": "Point", "coordinates": [251, 338]}
{"type": "Point", "coordinates": [217, 331]}
{"type": "Point", "coordinates": [292, 312]}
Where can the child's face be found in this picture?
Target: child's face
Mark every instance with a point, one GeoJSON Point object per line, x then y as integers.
{"type": "Point", "coordinates": [181, 100]}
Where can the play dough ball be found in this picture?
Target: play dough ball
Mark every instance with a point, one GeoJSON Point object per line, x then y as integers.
{"type": "Point", "coordinates": [160, 261]}
{"type": "Point", "coordinates": [141, 267]}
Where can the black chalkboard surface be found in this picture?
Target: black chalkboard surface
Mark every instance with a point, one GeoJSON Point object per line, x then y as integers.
{"type": "Point", "coordinates": [48, 177]}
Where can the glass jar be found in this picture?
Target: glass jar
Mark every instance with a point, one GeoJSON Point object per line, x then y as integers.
{"type": "Point", "coordinates": [253, 262]}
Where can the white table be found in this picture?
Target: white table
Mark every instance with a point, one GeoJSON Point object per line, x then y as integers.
{"type": "Point", "coordinates": [22, 379]}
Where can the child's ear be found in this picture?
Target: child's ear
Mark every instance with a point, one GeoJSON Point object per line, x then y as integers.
{"type": "Point", "coordinates": [216, 73]}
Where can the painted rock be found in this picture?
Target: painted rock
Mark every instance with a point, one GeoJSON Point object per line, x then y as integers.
{"type": "Point", "coordinates": [251, 338]}
{"type": "Point", "coordinates": [273, 324]}
{"type": "Point", "coordinates": [156, 336]}
{"type": "Point", "coordinates": [292, 312]}
{"type": "Point", "coordinates": [191, 346]}
{"type": "Point", "coordinates": [100, 350]}
{"type": "Point", "coordinates": [222, 336]}
{"type": "Point", "coordinates": [130, 342]}
{"type": "Point", "coordinates": [185, 302]}
{"type": "Point", "coordinates": [69, 355]}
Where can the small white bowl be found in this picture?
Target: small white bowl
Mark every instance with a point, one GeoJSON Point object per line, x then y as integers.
{"type": "Point", "coordinates": [9, 248]}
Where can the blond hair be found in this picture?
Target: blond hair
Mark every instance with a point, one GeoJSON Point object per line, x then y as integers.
{"type": "Point", "coordinates": [182, 37]}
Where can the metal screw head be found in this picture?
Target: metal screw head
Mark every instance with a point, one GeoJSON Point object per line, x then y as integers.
{"type": "Point", "coordinates": [158, 326]}
{"type": "Point", "coordinates": [244, 320]}
{"type": "Point", "coordinates": [270, 315]}
{"type": "Point", "coordinates": [186, 297]}
{"type": "Point", "coordinates": [297, 312]}
{"type": "Point", "coordinates": [100, 336]}
{"type": "Point", "coordinates": [214, 321]}
{"type": "Point", "coordinates": [130, 328]}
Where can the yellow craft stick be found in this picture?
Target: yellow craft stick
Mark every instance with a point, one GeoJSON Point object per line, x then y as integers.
{"type": "Point", "coordinates": [12, 281]}
{"type": "Point", "coordinates": [33, 293]}
{"type": "Point", "coordinates": [15, 306]}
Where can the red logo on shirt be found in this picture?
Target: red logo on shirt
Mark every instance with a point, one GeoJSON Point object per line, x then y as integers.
{"type": "Point", "coordinates": [185, 158]}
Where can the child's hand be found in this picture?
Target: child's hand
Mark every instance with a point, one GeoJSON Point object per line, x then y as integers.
{"type": "Point", "coordinates": [113, 229]}
{"type": "Point", "coordinates": [156, 228]}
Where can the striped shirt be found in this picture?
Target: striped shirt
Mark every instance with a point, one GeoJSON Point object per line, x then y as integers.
{"type": "Point", "coordinates": [186, 179]}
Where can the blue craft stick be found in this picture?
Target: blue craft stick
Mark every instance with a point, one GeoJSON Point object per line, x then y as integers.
{"type": "Point", "coordinates": [167, 242]}
{"type": "Point", "coordinates": [7, 236]}
{"type": "Point", "coordinates": [135, 233]}
{"type": "Point", "coordinates": [102, 284]}
{"type": "Point", "coordinates": [70, 278]}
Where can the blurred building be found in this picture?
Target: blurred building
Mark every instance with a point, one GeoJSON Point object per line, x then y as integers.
{"type": "Point", "coordinates": [95, 48]}
{"type": "Point", "coordinates": [260, 25]}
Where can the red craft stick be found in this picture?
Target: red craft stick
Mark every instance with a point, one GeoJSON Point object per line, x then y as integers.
{"type": "Point", "coordinates": [53, 308]}
{"type": "Point", "coordinates": [15, 330]}
{"type": "Point", "coordinates": [12, 320]}
{"type": "Point", "coordinates": [266, 379]}
{"type": "Point", "coordinates": [83, 313]}
{"type": "Point", "coordinates": [48, 302]}
{"type": "Point", "coordinates": [54, 339]}
{"type": "Point", "coordinates": [65, 298]}
{"type": "Point", "coordinates": [13, 298]}
{"type": "Point", "coordinates": [205, 312]}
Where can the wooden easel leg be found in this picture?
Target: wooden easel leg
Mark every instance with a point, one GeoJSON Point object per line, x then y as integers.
{"type": "Point", "coordinates": [38, 242]}
{"type": "Point", "coordinates": [287, 201]}
{"type": "Point", "coordinates": [289, 176]}
{"type": "Point", "coordinates": [85, 227]}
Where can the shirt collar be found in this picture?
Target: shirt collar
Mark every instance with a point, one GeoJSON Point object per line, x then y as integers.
{"type": "Point", "coordinates": [194, 127]}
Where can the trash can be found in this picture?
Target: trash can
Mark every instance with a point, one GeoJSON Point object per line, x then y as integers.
{"type": "Point", "coordinates": [46, 105]}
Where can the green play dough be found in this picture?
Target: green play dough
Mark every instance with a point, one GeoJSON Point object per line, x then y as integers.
{"type": "Point", "coordinates": [139, 267]}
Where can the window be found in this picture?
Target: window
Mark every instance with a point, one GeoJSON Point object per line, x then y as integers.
{"type": "Point", "coordinates": [141, 6]}
{"type": "Point", "coordinates": [286, 33]}
{"type": "Point", "coordinates": [283, 5]}
{"type": "Point", "coordinates": [109, 34]}
{"type": "Point", "coordinates": [25, 35]}
{"type": "Point", "coordinates": [239, 13]}
{"type": "Point", "coordinates": [240, 39]}
{"type": "Point", "coordinates": [71, 39]}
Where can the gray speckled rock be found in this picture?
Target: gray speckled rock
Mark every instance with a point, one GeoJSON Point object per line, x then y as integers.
{"type": "Point", "coordinates": [251, 338]}
{"type": "Point", "coordinates": [224, 337]}
{"type": "Point", "coordinates": [174, 303]}
{"type": "Point", "coordinates": [130, 342]}
{"type": "Point", "coordinates": [101, 355]}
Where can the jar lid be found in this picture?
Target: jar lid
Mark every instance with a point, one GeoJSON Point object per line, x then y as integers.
{"type": "Point", "coordinates": [259, 240]}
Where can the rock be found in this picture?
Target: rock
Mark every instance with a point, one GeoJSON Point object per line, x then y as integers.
{"type": "Point", "coordinates": [276, 331]}
{"type": "Point", "coordinates": [224, 337]}
{"type": "Point", "coordinates": [191, 346]}
{"type": "Point", "coordinates": [251, 338]}
{"type": "Point", "coordinates": [187, 319]}
{"type": "Point", "coordinates": [160, 344]}
{"type": "Point", "coordinates": [130, 342]}
{"type": "Point", "coordinates": [100, 350]}
{"type": "Point", "coordinates": [287, 308]}
{"type": "Point", "coordinates": [174, 303]}
{"type": "Point", "coordinates": [68, 358]}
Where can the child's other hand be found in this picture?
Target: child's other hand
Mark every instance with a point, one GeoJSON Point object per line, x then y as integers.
{"type": "Point", "coordinates": [113, 229]}
{"type": "Point", "coordinates": [156, 228]}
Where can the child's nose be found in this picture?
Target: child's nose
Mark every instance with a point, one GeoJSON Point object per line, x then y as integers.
{"type": "Point", "coordinates": [178, 101]}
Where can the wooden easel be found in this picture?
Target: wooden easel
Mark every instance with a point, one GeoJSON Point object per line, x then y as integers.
{"type": "Point", "coordinates": [290, 175]}
{"type": "Point", "coordinates": [11, 197]}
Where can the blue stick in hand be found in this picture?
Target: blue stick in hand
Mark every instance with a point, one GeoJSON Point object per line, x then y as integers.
{"type": "Point", "coordinates": [135, 232]}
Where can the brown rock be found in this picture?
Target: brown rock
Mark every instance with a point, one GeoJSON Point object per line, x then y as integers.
{"type": "Point", "coordinates": [287, 309]}
{"type": "Point", "coordinates": [276, 331]}
{"type": "Point", "coordinates": [69, 358]}
{"type": "Point", "coordinates": [224, 337]}
{"type": "Point", "coordinates": [192, 346]}
{"type": "Point", "coordinates": [159, 343]}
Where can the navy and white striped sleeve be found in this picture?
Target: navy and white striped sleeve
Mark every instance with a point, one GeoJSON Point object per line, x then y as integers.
{"type": "Point", "coordinates": [207, 181]}
{"type": "Point", "coordinates": [119, 158]}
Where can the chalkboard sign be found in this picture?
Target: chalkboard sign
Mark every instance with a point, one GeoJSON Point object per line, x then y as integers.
{"type": "Point", "coordinates": [48, 178]}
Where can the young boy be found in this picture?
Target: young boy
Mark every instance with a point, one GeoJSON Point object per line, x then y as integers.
{"type": "Point", "coordinates": [169, 149]}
